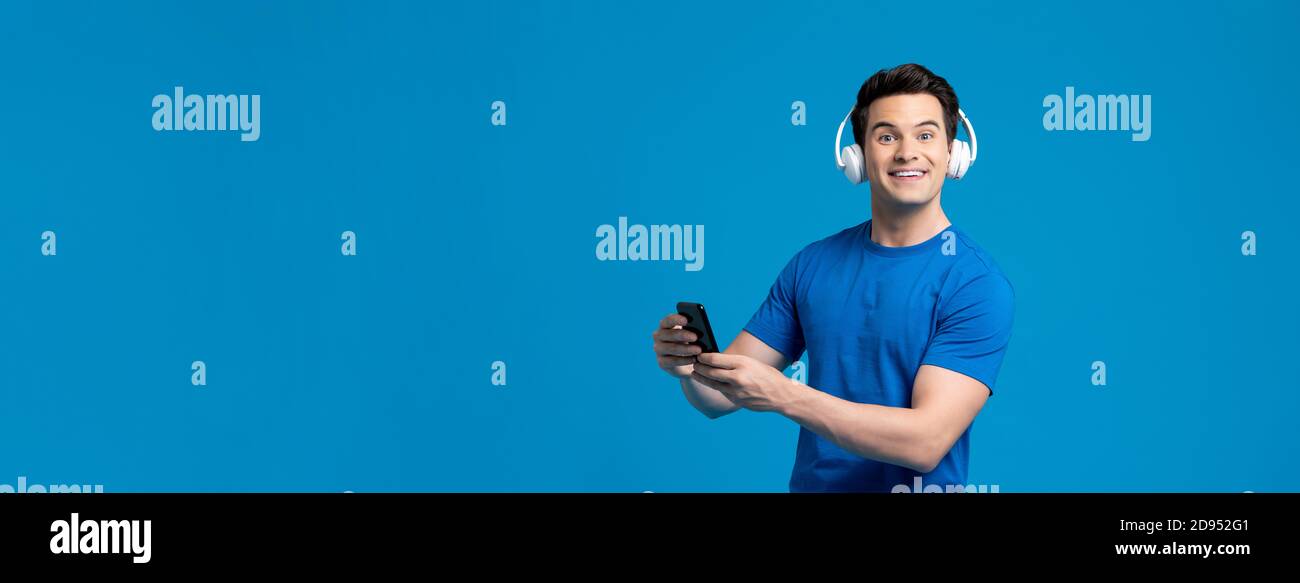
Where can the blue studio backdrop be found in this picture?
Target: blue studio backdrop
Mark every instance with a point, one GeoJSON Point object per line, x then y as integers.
{"type": "Point", "coordinates": [390, 281]}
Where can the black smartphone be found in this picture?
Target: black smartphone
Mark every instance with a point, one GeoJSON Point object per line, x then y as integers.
{"type": "Point", "coordinates": [697, 321]}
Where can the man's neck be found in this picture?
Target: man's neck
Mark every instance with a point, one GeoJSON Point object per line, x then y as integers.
{"type": "Point", "coordinates": [893, 226]}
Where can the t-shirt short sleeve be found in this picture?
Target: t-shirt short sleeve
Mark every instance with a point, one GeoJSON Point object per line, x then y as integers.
{"type": "Point", "coordinates": [974, 328]}
{"type": "Point", "coordinates": [776, 322]}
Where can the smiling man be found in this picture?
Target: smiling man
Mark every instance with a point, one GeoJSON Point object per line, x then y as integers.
{"type": "Point", "coordinates": [904, 318]}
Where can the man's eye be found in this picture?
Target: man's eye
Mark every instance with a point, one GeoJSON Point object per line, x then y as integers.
{"type": "Point", "coordinates": [886, 138]}
{"type": "Point", "coordinates": [926, 135]}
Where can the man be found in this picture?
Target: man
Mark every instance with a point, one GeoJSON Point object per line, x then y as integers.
{"type": "Point", "coordinates": [904, 318]}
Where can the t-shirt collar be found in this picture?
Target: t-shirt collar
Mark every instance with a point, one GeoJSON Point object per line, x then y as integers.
{"type": "Point", "coordinates": [926, 246]}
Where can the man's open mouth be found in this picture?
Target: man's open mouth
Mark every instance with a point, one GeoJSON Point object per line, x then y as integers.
{"type": "Point", "coordinates": [908, 174]}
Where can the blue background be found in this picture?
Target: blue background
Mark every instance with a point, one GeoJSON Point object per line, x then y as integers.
{"type": "Point", "coordinates": [476, 243]}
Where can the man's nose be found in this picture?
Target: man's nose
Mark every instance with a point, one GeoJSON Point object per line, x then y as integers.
{"type": "Point", "coordinates": [905, 152]}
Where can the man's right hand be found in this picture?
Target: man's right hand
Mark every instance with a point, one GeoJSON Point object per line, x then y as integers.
{"type": "Point", "coordinates": [673, 350]}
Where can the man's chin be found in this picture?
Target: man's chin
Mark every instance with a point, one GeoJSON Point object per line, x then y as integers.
{"type": "Point", "coordinates": [905, 200]}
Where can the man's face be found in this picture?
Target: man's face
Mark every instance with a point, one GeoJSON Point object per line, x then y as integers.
{"type": "Point", "coordinates": [906, 149]}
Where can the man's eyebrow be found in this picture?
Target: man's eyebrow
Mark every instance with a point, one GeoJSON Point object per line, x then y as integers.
{"type": "Point", "coordinates": [886, 124]}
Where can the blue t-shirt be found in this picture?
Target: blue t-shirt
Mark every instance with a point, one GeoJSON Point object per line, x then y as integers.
{"type": "Point", "coordinates": [870, 316]}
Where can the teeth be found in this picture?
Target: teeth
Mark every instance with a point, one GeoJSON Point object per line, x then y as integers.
{"type": "Point", "coordinates": [906, 173]}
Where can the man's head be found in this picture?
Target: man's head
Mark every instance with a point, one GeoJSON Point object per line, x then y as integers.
{"type": "Point", "coordinates": [905, 121]}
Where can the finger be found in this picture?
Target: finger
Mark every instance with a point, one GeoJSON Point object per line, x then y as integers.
{"type": "Point", "coordinates": [723, 388]}
{"type": "Point", "coordinates": [669, 361]}
{"type": "Point", "coordinates": [670, 335]}
{"type": "Point", "coordinates": [716, 374]}
{"type": "Point", "coordinates": [676, 349]}
{"type": "Point", "coordinates": [672, 320]}
{"type": "Point", "coordinates": [720, 360]}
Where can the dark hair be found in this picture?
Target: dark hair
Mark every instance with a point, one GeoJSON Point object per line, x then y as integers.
{"type": "Point", "coordinates": [904, 80]}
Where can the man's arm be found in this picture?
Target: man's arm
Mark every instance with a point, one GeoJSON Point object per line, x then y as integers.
{"type": "Point", "coordinates": [713, 403]}
{"type": "Point", "coordinates": [944, 403]}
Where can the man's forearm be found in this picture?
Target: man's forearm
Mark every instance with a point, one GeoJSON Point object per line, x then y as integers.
{"type": "Point", "coordinates": [896, 435]}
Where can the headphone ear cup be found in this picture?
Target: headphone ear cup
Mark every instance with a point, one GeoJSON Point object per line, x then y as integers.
{"type": "Point", "coordinates": [853, 168]}
{"type": "Point", "coordinates": [959, 161]}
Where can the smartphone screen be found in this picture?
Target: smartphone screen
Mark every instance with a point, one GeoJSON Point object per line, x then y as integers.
{"type": "Point", "coordinates": [697, 321]}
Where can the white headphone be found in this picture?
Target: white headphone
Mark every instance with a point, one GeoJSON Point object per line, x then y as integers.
{"type": "Point", "coordinates": [850, 159]}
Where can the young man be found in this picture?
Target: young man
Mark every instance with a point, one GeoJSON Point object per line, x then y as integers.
{"type": "Point", "coordinates": [905, 319]}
